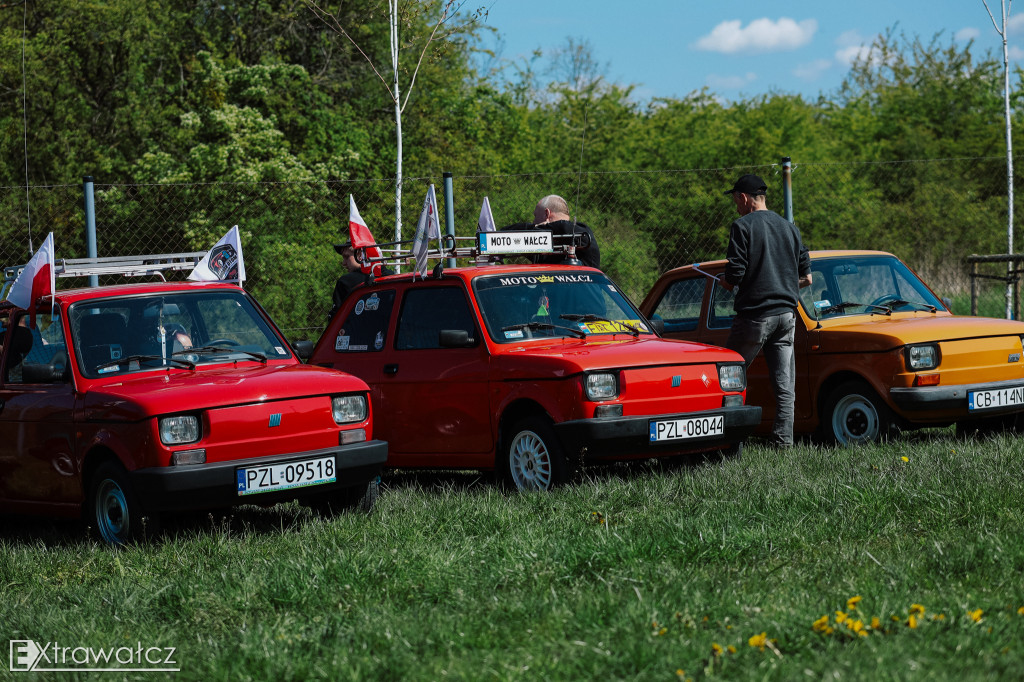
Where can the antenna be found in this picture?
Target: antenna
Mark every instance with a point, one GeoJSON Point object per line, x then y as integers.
{"type": "Point", "coordinates": [24, 116]}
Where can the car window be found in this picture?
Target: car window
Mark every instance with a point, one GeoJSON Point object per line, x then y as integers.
{"type": "Point", "coordinates": [425, 312]}
{"type": "Point", "coordinates": [38, 353]}
{"type": "Point", "coordinates": [517, 307]}
{"type": "Point", "coordinates": [366, 326]}
{"type": "Point", "coordinates": [722, 311]}
{"type": "Point", "coordinates": [137, 333]}
{"type": "Point", "coordinates": [859, 285]}
{"type": "Point", "coordinates": [679, 306]}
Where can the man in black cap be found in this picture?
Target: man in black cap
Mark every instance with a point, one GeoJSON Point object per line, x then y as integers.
{"type": "Point", "coordinates": [353, 277]}
{"type": "Point", "coordinates": [768, 263]}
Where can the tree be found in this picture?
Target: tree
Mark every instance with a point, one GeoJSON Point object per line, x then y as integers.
{"type": "Point", "coordinates": [406, 16]}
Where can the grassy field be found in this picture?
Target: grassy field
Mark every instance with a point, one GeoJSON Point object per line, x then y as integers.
{"type": "Point", "coordinates": [896, 562]}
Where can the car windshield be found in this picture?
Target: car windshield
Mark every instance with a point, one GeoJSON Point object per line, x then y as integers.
{"type": "Point", "coordinates": [140, 333]}
{"type": "Point", "coordinates": [864, 285]}
{"type": "Point", "coordinates": [552, 304]}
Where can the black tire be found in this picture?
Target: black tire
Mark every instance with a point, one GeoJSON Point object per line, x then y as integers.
{"type": "Point", "coordinates": [855, 415]}
{"type": "Point", "coordinates": [531, 456]}
{"type": "Point", "coordinates": [356, 498]}
{"type": "Point", "coordinates": [112, 509]}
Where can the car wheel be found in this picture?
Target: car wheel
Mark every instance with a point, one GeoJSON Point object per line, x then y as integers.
{"type": "Point", "coordinates": [114, 512]}
{"type": "Point", "coordinates": [854, 415]}
{"type": "Point", "coordinates": [533, 456]}
{"type": "Point", "coordinates": [355, 498]}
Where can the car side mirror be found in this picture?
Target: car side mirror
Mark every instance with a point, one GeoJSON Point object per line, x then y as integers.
{"type": "Point", "coordinates": [303, 348]}
{"type": "Point", "coordinates": [946, 301]}
{"type": "Point", "coordinates": [455, 338]}
{"type": "Point", "coordinates": [658, 325]}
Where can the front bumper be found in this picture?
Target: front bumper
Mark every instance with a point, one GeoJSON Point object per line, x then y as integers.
{"type": "Point", "coordinates": [629, 437]}
{"type": "Point", "coordinates": [936, 398]}
{"type": "Point", "coordinates": [208, 486]}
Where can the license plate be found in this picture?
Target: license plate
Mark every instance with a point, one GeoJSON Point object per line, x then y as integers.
{"type": "Point", "coordinates": [270, 477]}
{"type": "Point", "coordinates": [1001, 397]}
{"type": "Point", "coordinates": [692, 427]}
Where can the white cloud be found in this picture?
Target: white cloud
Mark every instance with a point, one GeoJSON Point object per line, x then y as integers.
{"type": "Point", "coordinates": [967, 33]}
{"type": "Point", "coordinates": [852, 47]}
{"type": "Point", "coordinates": [1015, 53]}
{"type": "Point", "coordinates": [714, 81]}
{"type": "Point", "coordinates": [1015, 24]}
{"type": "Point", "coordinates": [812, 70]}
{"type": "Point", "coordinates": [761, 35]}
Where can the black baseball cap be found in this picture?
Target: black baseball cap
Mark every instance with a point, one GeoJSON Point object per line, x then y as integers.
{"type": "Point", "coordinates": [749, 184]}
{"type": "Point", "coordinates": [340, 248]}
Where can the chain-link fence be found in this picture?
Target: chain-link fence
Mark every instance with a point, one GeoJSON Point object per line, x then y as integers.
{"type": "Point", "coordinates": [932, 214]}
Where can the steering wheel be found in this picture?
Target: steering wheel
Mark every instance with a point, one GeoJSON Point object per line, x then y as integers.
{"type": "Point", "coordinates": [221, 342]}
{"type": "Point", "coordinates": [883, 299]}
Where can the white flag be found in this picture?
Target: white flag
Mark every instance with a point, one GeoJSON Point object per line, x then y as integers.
{"type": "Point", "coordinates": [427, 228]}
{"type": "Point", "coordinates": [223, 262]}
{"type": "Point", "coordinates": [37, 279]}
{"type": "Point", "coordinates": [486, 221]}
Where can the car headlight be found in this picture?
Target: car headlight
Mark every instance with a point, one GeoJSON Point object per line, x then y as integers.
{"type": "Point", "coordinates": [602, 386]}
{"type": "Point", "coordinates": [179, 430]}
{"type": "Point", "coordinates": [348, 409]}
{"type": "Point", "coordinates": [922, 357]}
{"type": "Point", "coordinates": [732, 377]}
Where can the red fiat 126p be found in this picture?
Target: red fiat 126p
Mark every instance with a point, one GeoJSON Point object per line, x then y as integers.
{"type": "Point", "coordinates": [123, 402]}
{"type": "Point", "coordinates": [529, 370]}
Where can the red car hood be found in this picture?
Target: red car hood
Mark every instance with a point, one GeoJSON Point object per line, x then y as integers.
{"type": "Point", "coordinates": [180, 390]}
{"type": "Point", "coordinates": [572, 356]}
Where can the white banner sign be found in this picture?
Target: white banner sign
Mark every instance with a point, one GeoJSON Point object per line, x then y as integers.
{"type": "Point", "coordinates": [515, 242]}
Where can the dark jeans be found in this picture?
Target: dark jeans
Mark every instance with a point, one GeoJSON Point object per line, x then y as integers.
{"type": "Point", "coordinates": [774, 335]}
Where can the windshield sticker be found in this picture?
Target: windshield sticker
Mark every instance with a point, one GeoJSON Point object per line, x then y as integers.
{"type": "Point", "coordinates": [373, 302]}
{"type": "Point", "coordinates": [531, 280]}
{"type": "Point", "coordinates": [358, 348]}
{"type": "Point", "coordinates": [107, 370]}
{"type": "Point", "coordinates": [611, 327]}
{"type": "Point", "coordinates": [514, 334]}
{"type": "Point", "coordinates": [360, 305]}
{"type": "Point", "coordinates": [279, 350]}
{"type": "Point", "coordinates": [341, 343]}
{"type": "Point", "coordinates": [378, 341]}
{"type": "Point", "coordinates": [822, 304]}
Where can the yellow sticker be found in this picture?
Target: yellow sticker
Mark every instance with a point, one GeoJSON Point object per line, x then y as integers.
{"type": "Point", "coordinates": [613, 326]}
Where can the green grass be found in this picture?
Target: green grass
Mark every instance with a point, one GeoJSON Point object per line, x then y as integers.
{"type": "Point", "coordinates": [633, 573]}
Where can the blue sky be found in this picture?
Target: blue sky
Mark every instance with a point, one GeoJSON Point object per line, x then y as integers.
{"type": "Point", "coordinates": [738, 49]}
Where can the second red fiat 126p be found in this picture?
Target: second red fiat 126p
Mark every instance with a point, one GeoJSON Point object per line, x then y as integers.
{"type": "Point", "coordinates": [529, 370]}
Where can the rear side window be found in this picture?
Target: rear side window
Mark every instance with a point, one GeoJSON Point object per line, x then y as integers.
{"type": "Point", "coordinates": [425, 312]}
{"type": "Point", "coordinates": [366, 327]}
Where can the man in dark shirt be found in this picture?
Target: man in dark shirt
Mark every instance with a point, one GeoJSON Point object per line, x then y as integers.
{"type": "Point", "coordinates": [353, 277]}
{"type": "Point", "coordinates": [552, 215]}
{"type": "Point", "coordinates": [769, 264]}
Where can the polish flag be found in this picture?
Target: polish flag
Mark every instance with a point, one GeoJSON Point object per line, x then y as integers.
{"type": "Point", "coordinates": [37, 279]}
{"type": "Point", "coordinates": [359, 235]}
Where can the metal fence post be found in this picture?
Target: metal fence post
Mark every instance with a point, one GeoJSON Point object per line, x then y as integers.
{"type": "Point", "coordinates": [90, 224]}
{"type": "Point", "coordinates": [787, 188]}
{"type": "Point", "coordinates": [449, 210]}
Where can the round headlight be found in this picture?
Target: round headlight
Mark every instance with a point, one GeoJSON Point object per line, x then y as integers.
{"type": "Point", "coordinates": [179, 430]}
{"type": "Point", "coordinates": [349, 409]}
{"type": "Point", "coordinates": [602, 386]}
{"type": "Point", "coordinates": [732, 377]}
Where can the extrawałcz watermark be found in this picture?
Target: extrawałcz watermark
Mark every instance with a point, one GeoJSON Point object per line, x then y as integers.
{"type": "Point", "coordinates": [31, 656]}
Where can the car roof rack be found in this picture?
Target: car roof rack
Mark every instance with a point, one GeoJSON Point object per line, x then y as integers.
{"type": "Point", "coordinates": [126, 266]}
{"type": "Point", "coordinates": [487, 248]}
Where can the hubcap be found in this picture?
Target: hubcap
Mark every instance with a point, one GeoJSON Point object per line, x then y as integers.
{"type": "Point", "coordinates": [855, 420]}
{"type": "Point", "coordinates": [530, 462]}
{"type": "Point", "coordinates": [111, 512]}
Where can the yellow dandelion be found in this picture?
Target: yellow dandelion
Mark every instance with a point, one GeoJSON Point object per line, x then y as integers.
{"type": "Point", "coordinates": [917, 609]}
{"type": "Point", "coordinates": [875, 623]}
{"type": "Point", "coordinates": [840, 617]}
{"type": "Point", "coordinates": [1020, 611]}
{"type": "Point", "coordinates": [894, 618]}
{"type": "Point", "coordinates": [821, 624]}
{"type": "Point", "coordinates": [851, 603]}
{"type": "Point", "coordinates": [716, 649]}
{"type": "Point", "coordinates": [905, 458]}
{"type": "Point", "coordinates": [662, 631]}
{"type": "Point", "coordinates": [912, 621]}
{"type": "Point", "coordinates": [857, 626]}
{"type": "Point", "coordinates": [975, 615]}
{"type": "Point", "coordinates": [731, 649]}
{"type": "Point", "coordinates": [759, 641]}
{"type": "Point", "coordinates": [680, 673]}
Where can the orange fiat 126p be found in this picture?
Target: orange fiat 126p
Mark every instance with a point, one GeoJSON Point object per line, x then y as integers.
{"type": "Point", "coordinates": [123, 402]}
{"type": "Point", "coordinates": [876, 350]}
{"type": "Point", "coordinates": [529, 369]}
